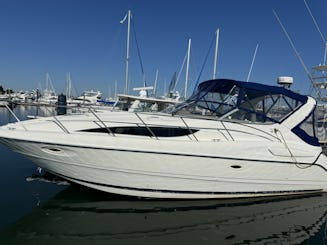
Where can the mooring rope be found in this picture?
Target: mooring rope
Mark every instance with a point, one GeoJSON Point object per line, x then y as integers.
{"type": "Point", "coordinates": [289, 150]}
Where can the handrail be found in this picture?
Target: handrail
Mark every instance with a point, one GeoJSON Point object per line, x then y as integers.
{"type": "Point", "coordinates": [151, 132]}
{"type": "Point", "coordinates": [17, 119]}
{"type": "Point", "coordinates": [222, 134]}
{"type": "Point", "coordinates": [223, 130]}
{"type": "Point", "coordinates": [60, 125]}
{"type": "Point", "coordinates": [228, 121]}
{"type": "Point", "coordinates": [228, 135]}
{"type": "Point", "coordinates": [189, 128]}
{"type": "Point", "coordinates": [222, 123]}
{"type": "Point", "coordinates": [105, 126]}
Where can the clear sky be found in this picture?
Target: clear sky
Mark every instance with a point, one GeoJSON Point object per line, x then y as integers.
{"type": "Point", "coordinates": [85, 38]}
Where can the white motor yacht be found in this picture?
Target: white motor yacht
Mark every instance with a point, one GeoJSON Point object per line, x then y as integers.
{"type": "Point", "coordinates": [87, 98]}
{"type": "Point", "coordinates": [229, 139]}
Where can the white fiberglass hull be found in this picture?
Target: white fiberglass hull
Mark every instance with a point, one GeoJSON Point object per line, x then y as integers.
{"type": "Point", "coordinates": [157, 170]}
{"type": "Point", "coordinates": [230, 139]}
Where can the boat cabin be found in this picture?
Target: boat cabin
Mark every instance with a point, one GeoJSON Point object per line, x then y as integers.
{"type": "Point", "coordinates": [247, 102]}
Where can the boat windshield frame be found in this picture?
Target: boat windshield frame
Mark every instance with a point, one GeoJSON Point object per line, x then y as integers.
{"type": "Point", "coordinates": [225, 99]}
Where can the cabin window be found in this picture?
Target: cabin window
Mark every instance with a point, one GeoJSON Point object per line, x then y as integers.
{"type": "Point", "coordinates": [143, 131]}
{"type": "Point", "coordinates": [306, 130]}
{"type": "Point", "coordinates": [267, 107]}
{"type": "Point", "coordinates": [308, 126]}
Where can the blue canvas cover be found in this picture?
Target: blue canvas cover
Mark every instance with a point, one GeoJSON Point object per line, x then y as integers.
{"type": "Point", "coordinates": [247, 101]}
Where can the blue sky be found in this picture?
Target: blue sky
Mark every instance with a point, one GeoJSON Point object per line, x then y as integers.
{"type": "Point", "coordinates": [85, 38]}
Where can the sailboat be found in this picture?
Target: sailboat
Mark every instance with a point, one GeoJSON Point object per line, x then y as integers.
{"type": "Point", "coordinates": [48, 95]}
{"type": "Point", "coordinates": [144, 101]}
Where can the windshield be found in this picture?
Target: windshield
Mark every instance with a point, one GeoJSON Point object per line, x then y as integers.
{"type": "Point", "coordinates": [231, 100]}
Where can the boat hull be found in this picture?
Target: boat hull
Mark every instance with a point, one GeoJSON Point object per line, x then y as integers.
{"type": "Point", "coordinates": [159, 174]}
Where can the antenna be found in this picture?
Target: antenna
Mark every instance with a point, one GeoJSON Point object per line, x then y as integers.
{"type": "Point", "coordinates": [293, 46]}
{"type": "Point", "coordinates": [316, 24]}
{"type": "Point", "coordinates": [254, 55]}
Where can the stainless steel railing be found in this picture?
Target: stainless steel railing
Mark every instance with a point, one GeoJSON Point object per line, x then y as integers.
{"type": "Point", "coordinates": [223, 130]}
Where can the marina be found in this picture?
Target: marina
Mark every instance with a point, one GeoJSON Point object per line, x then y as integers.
{"type": "Point", "coordinates": [42, 211]}
{"type": "Point", "coordinates": [151, 145]}
{"type": "Point", "coordinates": [210, 146]}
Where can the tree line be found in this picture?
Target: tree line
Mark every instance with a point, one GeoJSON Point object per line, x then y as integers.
{"type": "Point", "coordinates": [7, 91]}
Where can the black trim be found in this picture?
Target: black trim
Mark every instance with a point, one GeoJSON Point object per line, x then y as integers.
{"type": "Point", "coordinates": [144, 131]}
{"type": "Point", "coordinates": [187, 192]}
{"type": "Point", "coordinates": [312, 140]}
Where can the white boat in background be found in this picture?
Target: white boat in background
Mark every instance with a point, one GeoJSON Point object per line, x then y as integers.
{"type": "Point", "coordinates": [48, 95]}
{"type": "Point", "coordinates": [88, 97]}
{"type": "Point", "coordinates": [22, 97]}
{"type": "Point", "coordinates": [4, 99]}
{"type": "Point", "coordinates": [145, 103]}
{"type": "Point", "coordinates": [3, 103]}
{"type": "Point", "coordinates": [229, 139]}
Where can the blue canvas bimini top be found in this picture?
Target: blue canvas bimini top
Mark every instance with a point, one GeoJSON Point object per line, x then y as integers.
{"type": "Point", "coordinates": [224, 85]}
{"type": "Point", "coordinates": [237, 100]}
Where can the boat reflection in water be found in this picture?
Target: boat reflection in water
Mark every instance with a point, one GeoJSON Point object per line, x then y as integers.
{"type": "Point", "coordinates": [79, 215]}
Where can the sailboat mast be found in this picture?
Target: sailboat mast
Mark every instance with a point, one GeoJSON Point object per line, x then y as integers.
{"type": "Point", "coordinates": [127, 49]}
{"type": "Point", "coordinates": [216, 55]}
{"type": "Point", "coordinates": [293, 46]}
{"type": "Point", "coordinates": [187, 67]}
{"type": "Point", "coordinates": [155, 83]}
{"type": "Point", "coordinates": [115, 89]}
{"type": "Point", "coordinates": [47, 78]}
{"type": "Point", "coordinates": [251, 67]}
{"type": "Point", "coordinates": [318, 29]}
{"type": "Point", "coordinates": [325, 54]}
{"type": "Point", "coordinates": [68, 92]}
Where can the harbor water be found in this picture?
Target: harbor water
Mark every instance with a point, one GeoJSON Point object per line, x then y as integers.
{"type": "Point", "coordinates": [43, 210]}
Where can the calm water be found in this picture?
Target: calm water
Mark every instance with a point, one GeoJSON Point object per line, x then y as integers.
{"type": "Point", "coordinates": [45, 213]}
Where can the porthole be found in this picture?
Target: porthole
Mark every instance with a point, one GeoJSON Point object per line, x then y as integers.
{"type": "Point", "coordinates": [236, 166]}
